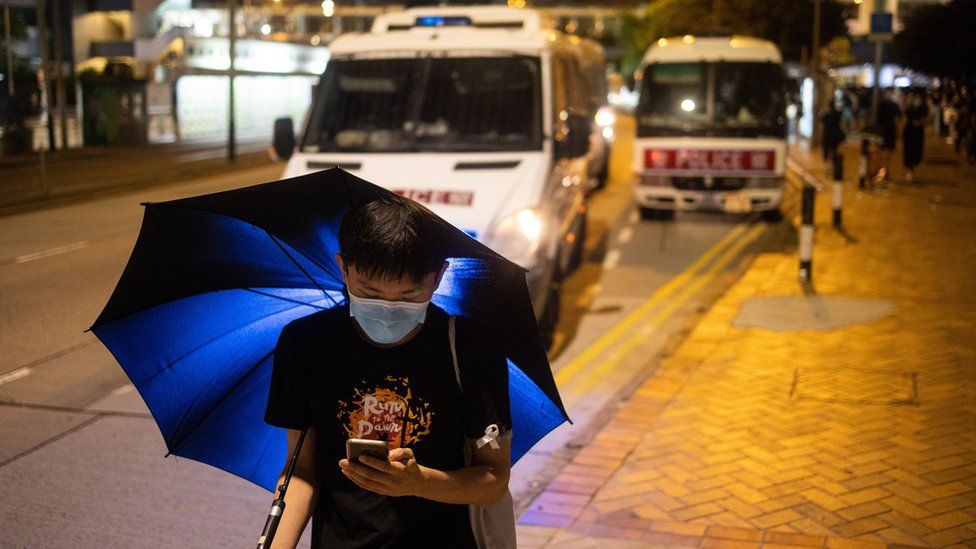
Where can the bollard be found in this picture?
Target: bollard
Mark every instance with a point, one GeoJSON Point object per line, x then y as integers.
{"type": "Point", "coordinates": [838, 189]}
{"type": "Point", "coordinates": [806, 234]}
{"type": "Point", "coordinates": [862, 167]}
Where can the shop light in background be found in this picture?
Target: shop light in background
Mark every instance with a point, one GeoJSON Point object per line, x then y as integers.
{"type": "Point", "coordinates": [263, 56]}
{"type": "Point", "coordinates": [328, 8]}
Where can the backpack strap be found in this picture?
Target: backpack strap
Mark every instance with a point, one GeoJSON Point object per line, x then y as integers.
{"type": "Point", "coordinates": [452, 336]}
{"type": "Point", "coordinates": [491, 432]}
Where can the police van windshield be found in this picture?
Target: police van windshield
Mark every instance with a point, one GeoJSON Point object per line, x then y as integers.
{"type": "Point", "coordinates": [427, 104]}
{"type": "Point", "coordinates": [722, 99]}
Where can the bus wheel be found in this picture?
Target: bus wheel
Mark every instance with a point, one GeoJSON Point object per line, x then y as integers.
{"type": "Point", "coordinates": [550, 316]}
{"type": "Point", "coordinates": [654, 213]}
{"type": "Point", "coordinates": [772, 216]}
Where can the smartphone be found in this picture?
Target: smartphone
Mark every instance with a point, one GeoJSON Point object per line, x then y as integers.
{"type": "Point", "coordinates": [356, 447]}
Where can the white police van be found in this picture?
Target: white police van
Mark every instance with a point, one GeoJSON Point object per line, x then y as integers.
{"type": "Point", "coordinates": [711, 127]}
{"type": "Point", "coordinates": [478, 113]}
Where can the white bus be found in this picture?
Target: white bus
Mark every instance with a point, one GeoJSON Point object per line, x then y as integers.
{"type": "Point", "coordinates": [711, 127]}
{"type": "Point", "coordinates": [481, 113]}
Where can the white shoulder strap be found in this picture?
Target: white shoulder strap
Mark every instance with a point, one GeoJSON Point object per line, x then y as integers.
{"type": "Point", "coordinates": [452, 335]}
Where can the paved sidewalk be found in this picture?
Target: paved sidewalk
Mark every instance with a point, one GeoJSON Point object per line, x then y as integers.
{"type": "Point", "coordinates": [839, 416]}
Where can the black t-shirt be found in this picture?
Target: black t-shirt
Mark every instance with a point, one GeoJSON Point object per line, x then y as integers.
{"type": "Point", "coordinates": [327, 375]}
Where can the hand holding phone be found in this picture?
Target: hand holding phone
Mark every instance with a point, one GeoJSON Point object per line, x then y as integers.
{"type": "Point", "coordinates": [356, 447]}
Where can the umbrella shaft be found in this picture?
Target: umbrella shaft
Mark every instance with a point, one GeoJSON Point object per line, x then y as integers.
{"type": "Point", "coordinates": [271, 525]}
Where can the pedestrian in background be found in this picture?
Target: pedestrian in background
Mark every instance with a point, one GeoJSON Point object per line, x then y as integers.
{"type": "Point", "coordinates": [888, 115]}
{"type": "Point", "coordinates": [971, 139]}
{"type": "Point", "coordinates": [833, 134]}
{"type": "Point", "coordinates": [913, 134]}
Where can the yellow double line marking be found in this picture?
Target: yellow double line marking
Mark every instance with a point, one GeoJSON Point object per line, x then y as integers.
{"type": "Point", "coordinates": [682, 287]}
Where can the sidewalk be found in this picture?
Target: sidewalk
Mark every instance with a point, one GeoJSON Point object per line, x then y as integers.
{"type": "Point", "coordinates": [80, 174]}
{"type": "Point", "coordinates": [843, 416]}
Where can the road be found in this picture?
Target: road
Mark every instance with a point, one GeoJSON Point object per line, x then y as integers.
{"type": "Point", "coordinates": [81, 460]}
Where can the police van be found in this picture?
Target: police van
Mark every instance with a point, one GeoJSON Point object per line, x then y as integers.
{"type": "Point", "coordinates": [711, 127]}
{"type": "Point", "coordinates": [478, 113]}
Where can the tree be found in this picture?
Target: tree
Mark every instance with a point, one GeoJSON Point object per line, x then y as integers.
{"type": "Point", "coordinates": [938, 39]}
{"type": "Point", "coordinates": [787, 23]}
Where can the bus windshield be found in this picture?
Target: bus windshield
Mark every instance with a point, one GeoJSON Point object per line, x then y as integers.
{"type": "Point", "coordinates": [427, 104]}
{"type": "Point", "coordinates": [724, 99]}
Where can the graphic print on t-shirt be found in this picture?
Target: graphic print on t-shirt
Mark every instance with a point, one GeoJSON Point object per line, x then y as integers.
{"type": "Point", "coordinates": [388, 412]}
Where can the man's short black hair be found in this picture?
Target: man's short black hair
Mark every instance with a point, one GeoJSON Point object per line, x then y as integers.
{"type": "Point", "coordinates": [391, 237]}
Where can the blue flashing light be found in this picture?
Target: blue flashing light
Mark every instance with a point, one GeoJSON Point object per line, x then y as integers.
{"type": "Point", "coordinates": [441, 21]}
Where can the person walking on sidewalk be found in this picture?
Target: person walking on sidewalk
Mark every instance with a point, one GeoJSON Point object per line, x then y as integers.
{"type": "Point", "coordinates": [380, 367]}
{"type": "Point", "coordinates": [833, 134]}
{"type": "Point", "coordinates": [913, 134]}
{"type": "Point", "coordinates": [970, 138]}
{"type": "Point", "coordinates": [888, 115]}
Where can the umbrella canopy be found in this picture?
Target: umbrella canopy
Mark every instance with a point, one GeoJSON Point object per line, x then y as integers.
{"type": "Point", "coordinates": [213, 279]}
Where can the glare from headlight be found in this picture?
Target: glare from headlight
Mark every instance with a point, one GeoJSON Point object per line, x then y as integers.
{"type": "Point", "coordinates": [605, 117]}
{"type": "Point", "coordinates": [529, 223]}
{"type": "Point", "coordinates": [608, 133]}
{"type": "Point", "coordinates": [687, 105]}
{"type": "Point", "coordinates": [518, 237]}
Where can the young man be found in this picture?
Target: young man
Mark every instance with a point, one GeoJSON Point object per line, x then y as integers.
{"type": "Point", "coordinates": [380, 367]}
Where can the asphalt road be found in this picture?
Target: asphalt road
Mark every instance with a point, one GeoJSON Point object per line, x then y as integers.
{"type": "Point", "coordinates": [81, 460]}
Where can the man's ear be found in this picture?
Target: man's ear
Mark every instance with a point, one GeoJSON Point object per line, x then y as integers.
{"type": "Point", "coordinates": [440, 274]}
{"type": "Point", "coordinates": [342, 268]}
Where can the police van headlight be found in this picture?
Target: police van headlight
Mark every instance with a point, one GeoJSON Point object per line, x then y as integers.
{"type": "Point", "coordinates": [605, 117]}
{"type": "Point", "coordinates": [648, 180]}
{"type": "Point", "coordinates": [764, 183]}
{"type": "Point", "coordinates": [519, 235]}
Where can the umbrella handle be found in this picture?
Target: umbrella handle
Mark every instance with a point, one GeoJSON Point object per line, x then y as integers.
{"type": "Point", "coordinates": [278, 506]}
{"type": "Point", "coordinates": [271, 525]}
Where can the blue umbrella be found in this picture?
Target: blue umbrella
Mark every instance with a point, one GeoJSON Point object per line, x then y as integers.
{"type": "Point", "coordinates": [213, 279]}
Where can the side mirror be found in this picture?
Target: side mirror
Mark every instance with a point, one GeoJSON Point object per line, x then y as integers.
{"type": "Point", "coordinates": [572, 137]}
{"type": "Point", "coordinates": [575, 137]}
{"type": "Point", "coordinates": [283, 141]}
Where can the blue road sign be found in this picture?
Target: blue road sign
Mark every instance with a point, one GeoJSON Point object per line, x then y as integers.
{"type": "Point", "coordinates": [881, 23]}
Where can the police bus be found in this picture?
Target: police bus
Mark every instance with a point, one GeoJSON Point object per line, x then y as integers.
{"type": "Point", "coordinates": [711, 127]}
{"type": "Point", "coordinates": [480, 113]}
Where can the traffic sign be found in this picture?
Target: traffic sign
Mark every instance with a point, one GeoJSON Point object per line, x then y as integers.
{"type": "Point", "coordinates": [881, 27]}
{"type": "Point", "coordinates": [881, 22]}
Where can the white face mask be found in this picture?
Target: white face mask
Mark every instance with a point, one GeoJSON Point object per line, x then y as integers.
{"type": "Point", "coordinates": [386, 322]}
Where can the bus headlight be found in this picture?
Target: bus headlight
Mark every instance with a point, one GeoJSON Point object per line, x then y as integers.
{"type": "Point", "coordinates": [518, 236]}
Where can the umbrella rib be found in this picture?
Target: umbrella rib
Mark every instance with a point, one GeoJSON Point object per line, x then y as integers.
{"type": "Point", "coordinates": [184, 434]}
{"type": "Point", "coordinates": [297, 264]}
{"type": "Point", "coordinates": [295, 301]}
{"type": "Point", "coordinates": [315, 262]}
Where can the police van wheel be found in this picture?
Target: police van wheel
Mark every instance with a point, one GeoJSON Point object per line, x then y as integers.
{"type": "Point", "coordinates": [772, 216]}
{"type": "Point", "coordinates": [579, 246]}
{"type": "Point", "coordinates": [601, 178]}
{"type": "Point", "coordinates": [550, 316]}
{"type": "Point", "coordinates": [654, 213]}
